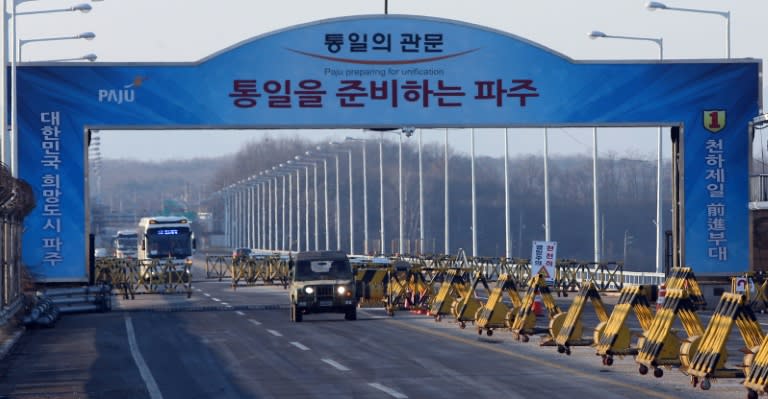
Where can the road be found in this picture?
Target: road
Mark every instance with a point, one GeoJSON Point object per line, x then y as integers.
{"type": "Point", "coordinates": [240, 343]}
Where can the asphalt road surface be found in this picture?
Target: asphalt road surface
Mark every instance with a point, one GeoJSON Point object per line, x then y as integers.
{"type": "Point", "coordinates": [225, 343]}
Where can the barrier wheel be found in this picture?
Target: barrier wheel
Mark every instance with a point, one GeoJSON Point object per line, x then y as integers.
{"type": "Point", "coordinates": [609, 361]}
{"type": "Point", "coordinates": [438, 318]}
{"type": "Point", "coordinates": [568, 351]}
{"type": "Point", "coordinates": [462, 325]}
{"type": "Point", "coordinates": [643, 370]}
{"type": "Point", "coordinates": [479, 331]}
{"type": "Point", "coordinates": [604, 359]}
{"type": "Point", "coordinates": [525, 338]}
{"type": "Point", "coordinates": [694, 381]}
{"type": "Point", "coordinates": [751, 394]}
{"type": "Point", "coordinates": [489, 332]}
{"type": "Point", "coordinates": [561, 349]}
{"type": "Point", "coordinates": [705, 385]}
{"type": "Point", "coordinates": [658, 373]}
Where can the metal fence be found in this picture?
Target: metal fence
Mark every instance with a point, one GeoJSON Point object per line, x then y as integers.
{"type": "Point", "coordinates": [16, 201]}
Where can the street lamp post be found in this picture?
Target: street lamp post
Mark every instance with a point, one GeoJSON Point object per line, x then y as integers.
{"type": "Point", "coordinates": [365, 191]}
{"type": "Point", "coordinates": [3, 84]}
{"type": "Point", "coordinates": [23, 42]}
{"type": "Point", "coordinates": [474, 205]}
{"type": "Point", "coordinates": [507, 243]}
{"type": "Point", "coordinates": [446, 220]}
{"type": "Point", "coordinates": [659, 139]}
{"type": "Point", "coordinates": [325, 197]}
{"type": "Point", "coordinates": [381, 193]}
{"type": "Point", "coordinates": [421, 200]}
{"type": "Point", "coordinates": [655, 5]}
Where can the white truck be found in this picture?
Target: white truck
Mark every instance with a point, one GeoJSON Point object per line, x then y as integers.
{"type": "Point", "coordinates": [125, 244]}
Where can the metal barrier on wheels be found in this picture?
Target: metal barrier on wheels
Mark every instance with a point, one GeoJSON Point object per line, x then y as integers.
{"type": "Point", "coordinates": [495, 314]}
{"type": "Point", "coordinates": [704, 357]}
{"type": "Point", "coordinates": [613, 337]}
{"type": "Point", "coordinates": [661, 346]}
{"type": "Point", "coordinates": [465, 308]}
{"type": "Point", "coordinates": [521, 326]}
{"type": "Point", "coordinates": [217, 266]}
{"type": "Point", "coordinates": [567, 327]}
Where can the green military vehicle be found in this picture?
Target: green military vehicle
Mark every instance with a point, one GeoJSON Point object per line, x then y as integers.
{"type": "Point", "coordinates": [322, 282]}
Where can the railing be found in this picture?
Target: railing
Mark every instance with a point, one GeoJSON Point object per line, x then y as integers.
{"type": "Point", "coordinates": [16, 201]}
{"type": "Point", "coordinates": [758, 188]}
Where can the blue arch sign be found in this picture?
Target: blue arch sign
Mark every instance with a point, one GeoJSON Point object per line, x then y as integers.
{"type": "Point", "coordinates": [385, 71]}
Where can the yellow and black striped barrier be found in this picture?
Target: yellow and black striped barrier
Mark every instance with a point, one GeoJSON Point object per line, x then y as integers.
{"type": "Point", "coordinates": [661, 346]}
{"type": "Point", "coordinates": [704, 357]}
{"type": "Point", "coordinates": [613, 337]}
{"type": "Point", "coordinates": [453, 286]}
{"type": "Point", "coordinates": [521, 330]}
{"type": "Point", "coordinates": [465, 308]}
{"type": "Point", "coordinates": [371, 285]}
{"type": "Point", "coordinates": [567, 328]}
{"type": "Point", "coordinates": [495, 313]}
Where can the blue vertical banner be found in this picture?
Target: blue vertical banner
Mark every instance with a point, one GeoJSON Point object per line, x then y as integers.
{"type": "Point", "coordinates": [389, 71]}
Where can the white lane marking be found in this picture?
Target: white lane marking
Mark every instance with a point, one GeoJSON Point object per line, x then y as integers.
{"type": "Point", "coordinates": [146, 375]}
{"type": "Point", "coordinates": [299, 345]}
{"type": "Point", "coordinates": [255, 323]}
{"type": "Point", "coordinates": [389, 391]}
{"type": "Point", "coordinates": [198, 290]}
{"type": "Point", "coordinates": [335, 364]}
{"type": "Point", "coordinates": [216, 299]}
{"type": "Point", "coordinates": [225, 304]}
{"type": "Point", "coordinates": [206, 294]}
{"type": "Point", "coordinates": [240, 313]}
{"type": "Point", "coordinates": [275, 333]}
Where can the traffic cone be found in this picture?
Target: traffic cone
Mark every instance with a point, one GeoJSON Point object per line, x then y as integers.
{"type": "Point", "coordinates": [662, 296]}
{"type": "Point", "coordinates": [538, 307]}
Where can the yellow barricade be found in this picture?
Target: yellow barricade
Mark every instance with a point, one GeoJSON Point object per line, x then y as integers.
{"type": "Point", "coordinates": [613, 337]}
{"type": "Point", "coordinates": [465, 308]}
{"type": "Point", "coordinates": [661, 346]}
{"type": "Point", "coordinates": [495, 313]}
{"type": "Point", "coordinates": [567, 327]}
{"type": "Point", "coordinates": [520, 329]}
{"type": "Point", "coordinates": [704, 357]}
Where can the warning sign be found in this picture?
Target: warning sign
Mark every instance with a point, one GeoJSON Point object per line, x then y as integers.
{"type": "Point", "coordinates": [543, 256]}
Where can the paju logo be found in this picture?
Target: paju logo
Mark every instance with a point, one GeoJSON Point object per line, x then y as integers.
{"type": "Point", "coordinates": [125, 95]}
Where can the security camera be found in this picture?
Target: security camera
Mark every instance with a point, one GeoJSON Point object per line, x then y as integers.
{"type": "Point", "coordinates": [408, 131]}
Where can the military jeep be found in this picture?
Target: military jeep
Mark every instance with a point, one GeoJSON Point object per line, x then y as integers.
{"type": "Point", "coordinates": [322, 282]}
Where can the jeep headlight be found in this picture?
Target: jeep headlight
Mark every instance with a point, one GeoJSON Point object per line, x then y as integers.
{"type": "Point", "coordinates": [309, 290]}
{"type": "Point", "coordinates": [341, 289]}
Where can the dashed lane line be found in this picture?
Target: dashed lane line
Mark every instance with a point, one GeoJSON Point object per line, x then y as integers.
{"type": "Point", "coordinates": [275, 333]}
{"type": "Point", "coordinates": [299, 345]}
{"type": "Point", "coordinates": [389, 391]}
{"type": "Point", "coordinates": [335, 364]}
{"type": "Point", "coordinates": [255, 322]}
{"type": "Point", "coordinates": [239, 313]}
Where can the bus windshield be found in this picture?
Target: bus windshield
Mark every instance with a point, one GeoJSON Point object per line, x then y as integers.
{"type": "Point", "coordinates": [169, 242]}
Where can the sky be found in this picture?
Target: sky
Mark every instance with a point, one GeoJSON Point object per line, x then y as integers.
{"type": "Point", "coordinates": [188, 30]}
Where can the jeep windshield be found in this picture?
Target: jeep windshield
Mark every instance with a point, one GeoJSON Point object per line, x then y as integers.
{"type": "Point", "coordinates": [306, 270]}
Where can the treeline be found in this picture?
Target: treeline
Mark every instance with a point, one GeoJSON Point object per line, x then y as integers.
{"type": "Point", "coordinates": [627, 199]}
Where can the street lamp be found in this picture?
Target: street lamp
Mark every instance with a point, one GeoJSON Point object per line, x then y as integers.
{"type": "Point", "coordinates": [84, 35]}
{"type": "Point", "coordinates": [446, 220]}
{"type": "Point", "coordinates": [365, 193]}
{"type": "Point", "coordinates": [659, 140]}
{"type": "Point", "coordinates": [655, 5]}
{"type": "Point", "coordinates": [303, 161]}
{"type": "Point", "coordinates": [84, 8]}
{"type": "Point", "coordinates": [351, 216]}
{"type": "Point", "coordinates": [325, 197]}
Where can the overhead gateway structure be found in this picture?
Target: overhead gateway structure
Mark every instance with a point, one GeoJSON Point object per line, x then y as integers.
{"type": "Point", "coordinates": [382, 71]}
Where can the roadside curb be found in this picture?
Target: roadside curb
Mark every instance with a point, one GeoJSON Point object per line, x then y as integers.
{"type": "Point", "coordinates": [9, 341]}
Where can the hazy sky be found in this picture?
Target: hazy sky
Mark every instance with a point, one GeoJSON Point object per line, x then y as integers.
{"type": "Point", "coordinates": [188, 30]}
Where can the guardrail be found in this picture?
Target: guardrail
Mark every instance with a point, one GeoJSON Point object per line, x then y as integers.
{"type": "Point", "coordinates": [16, 201]}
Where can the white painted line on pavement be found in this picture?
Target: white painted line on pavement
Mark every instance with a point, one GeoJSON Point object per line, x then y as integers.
{"type": "Point", "coordinates": [198, 290]}
{"type": "Point", "coordinates": [225, 304]}
{"type": "Point", "coordinates": [206, 294]}
{"type": "Point", "coordinates": [275, 333]}
{"type": "Point", "coordinates": [216, 299]}
{"type": "Point", "coordinates": [255, 323]}
{"type": "Point", "coordinates": [335, 364]}
{"type": "Point", "coordinates": [240, 313]}
{"type": "Point", "coordinates": [299, 345]}
{"type": "Point", "coordinates": [146, 375]}
{"type": "Point", "coordinates": [389, 391]}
